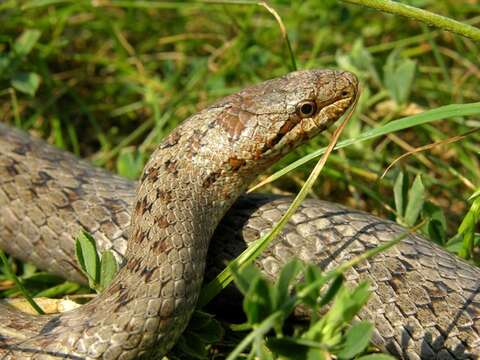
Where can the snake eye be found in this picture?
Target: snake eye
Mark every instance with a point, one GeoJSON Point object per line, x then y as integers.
{"type": "Point", "coordinates": [306, 108]}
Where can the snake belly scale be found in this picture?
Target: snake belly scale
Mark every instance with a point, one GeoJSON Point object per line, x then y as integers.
{"type": "Point", "coordinates": [188, 184]}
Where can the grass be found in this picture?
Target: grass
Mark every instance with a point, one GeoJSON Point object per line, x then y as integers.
{"type": "Point", "coordinates": [107, 80]}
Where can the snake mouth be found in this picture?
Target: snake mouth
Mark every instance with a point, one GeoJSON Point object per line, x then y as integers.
{"type": "Point", "coordinates": [345, 94]}
{"type": "Point", "coordinates": [332, 110]}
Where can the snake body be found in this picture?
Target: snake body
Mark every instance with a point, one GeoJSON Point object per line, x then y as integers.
{"type": "Point", "coordinates": [187, 185]}
{"type": "Point", "coordinates": [425, 301]}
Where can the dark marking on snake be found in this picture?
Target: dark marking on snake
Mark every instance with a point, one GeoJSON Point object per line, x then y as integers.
{"type": "Point", "coordinates": [147, 273]}
{"type": "Point", "coordinates": [51, 325]}
{"type": "Point", "coordinates": [210, 179]}
{"type": "Point", "coordinates": [11, 169]}
{"type": "Point", "coordinates": [161, 221]}
{"type": "Point", "coordinates": [236, 163]}
{"type": "Point", "coordinates": [23, 149]}
{"type": "Point", "coordinates": [41, 179]}
{"type": "Point", "coordinates": [171, 140]}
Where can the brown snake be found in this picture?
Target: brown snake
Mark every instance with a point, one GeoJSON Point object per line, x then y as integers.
{"type": "Point", "coordinates": [424, 302]}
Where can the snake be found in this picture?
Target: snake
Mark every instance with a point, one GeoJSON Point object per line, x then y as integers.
{"type": "Point", "coordinates": [424, 302]}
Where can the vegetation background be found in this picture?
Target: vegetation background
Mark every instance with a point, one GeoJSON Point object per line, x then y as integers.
{"type": "Point", "coordinates": [107, 80]}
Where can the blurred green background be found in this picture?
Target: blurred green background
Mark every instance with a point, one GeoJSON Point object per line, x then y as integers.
{"type": "Point", "coordinates": [107, 80]}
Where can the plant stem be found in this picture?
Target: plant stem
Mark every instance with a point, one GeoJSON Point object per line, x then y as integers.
{"type": "Point", "coordinates": [425, 16]}
{"type": "Point", "coordinates": [19, 284]}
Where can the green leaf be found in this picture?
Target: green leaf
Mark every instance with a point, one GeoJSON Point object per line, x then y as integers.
{"type": "Point", "coordinates": [130, 163]}
{"type": "Point", "coordinates": [474, 195]}
{"type": "Point", "coordinates": [11, 274]}
{"type": "Point", "coordinates": [40, 3]}
{"type": "Point", "coordinates": [346, 305]}
{"type": "Point", "coordinates": [87, 256]}
{"type": "Point", "coordinates": [405, 75]}
{"type": "Point", "coordinates": [65, 288]}
{"type": "Point", "coordinates": [288, 347]}
{"type": "Point", "coordinates": [206, 327]}
{"type": "Point", "coordinates": [42, 278]}
{"type": "Point", "coordinates": [312, 274]}
{"type": "Point", "coordinates": [335, 286]}
{"type": "Point", "coordinates": [398, 77]}
{"type": "Point", "coordinates": [259, 331]}
{"type": "Point", "coordinates": [357, 339]}
{"type": "Point", "coordinates": [245, 277]}
{"type": "Point", "coordinates": [202, 331]}
{"type": "Point", "coordinates": [359, 61]}
{"type": "Point", "coordinates": [437, 232]}
{"type": "Point", "coordinates": [317, 354]}
{"type": "Point", "coordinates": [28, 270]}
{"type": "Point", "coordinates": [437, 224]}
{"type": "Point", "coordinates": [416, 198]}
{"type": "Point", "coordinates": [455, 244]}
{"type": "Point", "coordinates": [468, 227]}
{"type": "Point", "coordinates": [192, 346]}
{"type": "Point", "coordinates": [287, 275]}
{"type": "Point", "coordinates": [355, 300]}
{"type": "Point", "coordinates": [26, 82]}
{"type": "Point", "coordinates": [108, 269]}
{"type": "Point", "coordinates": [25, 42]}
{"type": "Point", "coordinates": [257, 303]}
{"type": "Point", "coordinates": [4, 65]}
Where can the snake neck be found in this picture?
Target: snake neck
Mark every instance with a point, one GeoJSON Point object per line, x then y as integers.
{"type": "Point", "coordinates": [182, 196]}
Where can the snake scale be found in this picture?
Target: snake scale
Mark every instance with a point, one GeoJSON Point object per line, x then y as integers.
{"type": "Point", "coordinates": [424, 302]}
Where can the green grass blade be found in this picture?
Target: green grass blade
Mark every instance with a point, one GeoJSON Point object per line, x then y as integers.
{"type": "Point", "coordinates": [440, 113]}
{"type": "Point", "coordinates": [19, 284]}
{"type": "Point", "coordinates": [427, 17]}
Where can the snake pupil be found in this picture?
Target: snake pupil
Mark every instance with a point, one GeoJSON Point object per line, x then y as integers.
{"type": "Point", "coordinates": [307, 108]}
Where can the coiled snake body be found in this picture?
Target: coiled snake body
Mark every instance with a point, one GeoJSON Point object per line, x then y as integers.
{"type": "Point", "coordinates": [425, 301]}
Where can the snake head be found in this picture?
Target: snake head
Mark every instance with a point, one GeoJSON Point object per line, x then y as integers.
{"type": "Point", "coordinates": [265, 121]}
{"type": "Point", "coordinates": [313, 100]}
{"type": "Point", "coordinates": [244, 133]}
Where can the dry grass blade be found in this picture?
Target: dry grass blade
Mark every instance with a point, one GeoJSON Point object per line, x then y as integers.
{"type": "Point", "coordinates": [272, 11]}
{"type": "Point", "coordinates": [253, 251]}
{"type": "Point", "coordinates": [428, 147]}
